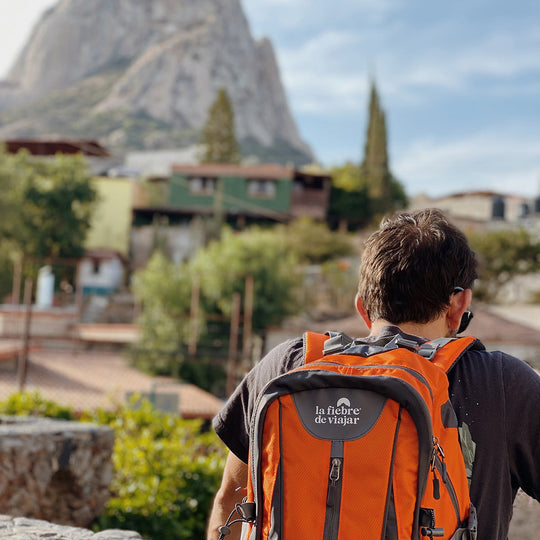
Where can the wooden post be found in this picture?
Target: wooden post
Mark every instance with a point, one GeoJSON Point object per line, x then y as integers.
{"type": "Point", "coordinates": [248, 318]}
{"type": "Point", "coordinates": [194, 315]}
{"type": "Point", "coordinates": [22, 365]}
{"type": "Point", "coordinates": [16, 286]}
{"type": "Point", "coordinates": [233, 344]}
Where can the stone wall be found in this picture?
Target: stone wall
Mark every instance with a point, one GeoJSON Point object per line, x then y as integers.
{"type": "Point", "coordinates": [33, 529]}
{"type": "Point", "coordinates": [54, 470]}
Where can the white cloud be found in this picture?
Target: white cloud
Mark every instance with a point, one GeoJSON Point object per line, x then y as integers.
{"type": "Point", "coordinates": [503, 162]}
{"type": "Point", "coordinates": [494, 58]}
{"type": "Point", "coordinates": [409, 62]}
{"type": "Point", "coordinates": [317, 78]}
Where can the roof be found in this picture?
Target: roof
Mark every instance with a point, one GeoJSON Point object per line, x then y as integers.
{"type": "Point", "coordinates": [51, 147]}
{"type": "Point", "coordinates": [486, 194]}
{"type": "Point", "coordinates": [86, 379]}
{"type": "Point", "coordinates": [269, 171]}
{"type": "Point", "coordinates": [101, 254]}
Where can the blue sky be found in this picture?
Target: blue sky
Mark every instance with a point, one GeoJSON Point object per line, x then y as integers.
{"type": "Point", "coordinates": [459, 82]}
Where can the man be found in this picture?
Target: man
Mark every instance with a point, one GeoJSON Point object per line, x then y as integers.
{"type": "Point", "coordinates": [415, 279]}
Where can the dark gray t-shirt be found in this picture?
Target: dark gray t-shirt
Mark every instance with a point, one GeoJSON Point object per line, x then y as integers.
{"type": "Point", "coordinates": [496, 395]}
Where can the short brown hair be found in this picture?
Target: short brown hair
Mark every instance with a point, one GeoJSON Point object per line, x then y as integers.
{"type": "Point", "coordinates": [411, 265]}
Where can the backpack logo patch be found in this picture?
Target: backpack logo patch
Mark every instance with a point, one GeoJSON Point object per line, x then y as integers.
{"type": "Point", "coordinates": [338, 413]}
{"type": "Point", "coordinates": [342, 413]}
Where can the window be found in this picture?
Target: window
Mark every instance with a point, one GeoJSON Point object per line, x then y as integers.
{"type": "Point", "coordinates": [262, 189]}
{"type": "Point", "coordinates": [202, 186]}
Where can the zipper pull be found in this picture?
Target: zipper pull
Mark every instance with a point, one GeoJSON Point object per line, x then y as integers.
{"type": "Point", "coordinates": [436, 483]}
{"type": "Point", "coordinates": [440, 452]}
{"type": "Point", "coordinates": [333, 492]}
{"type": "Point", "coordinates": [335, 470]}
{"type": "Point", "coordinates": [436, 487]}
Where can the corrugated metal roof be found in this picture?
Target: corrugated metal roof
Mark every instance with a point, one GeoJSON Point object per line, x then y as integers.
{"type": "Point", "coordinates": [269, 171]}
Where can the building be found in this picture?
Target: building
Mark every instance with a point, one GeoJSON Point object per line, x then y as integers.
{"type": "Point", "coordinates": [101, 272]}
{"type": "Point", "coordinates": [240, 194]}
{"type": "Point", "coordinates": [484, 210]}
{"type": "Point", "coordinates": [244, 193]}
{"type": "Point", "coordinates": [110, 225]}
{"type": "Point", "coordinates": [99, 159]}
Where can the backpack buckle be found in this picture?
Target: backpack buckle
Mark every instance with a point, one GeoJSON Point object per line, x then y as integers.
{"type": "Point", "coordinates": [399, 341]}
{"type": "Point", "coordinates": [430, 348]}
{"type": "Point", "coordinates": [337, 342]}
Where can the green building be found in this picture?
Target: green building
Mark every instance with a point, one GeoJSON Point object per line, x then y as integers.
{"type": "Point", "coordinates": [241, 193]}
{"type": "Point", "coordinates": [168, 208]}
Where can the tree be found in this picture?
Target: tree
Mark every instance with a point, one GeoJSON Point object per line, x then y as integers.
{"type": "Point", "coordinates": [224, 265]}
{"type": "Point", "coordinates": [375, 165]}
{"type": "Point", "coordinates": [347, 177]}
{"type": "Point", "coordinates": [46, 205]}
{"type": "Point", "coordinates": [221, 269]}
{"type": "Point", "coordinates": [313, 242]}
{"type": "Point", "coordinates": [218, 136]}
{"type": "Point", "coordinates": [362, 192]}
{"type": "Point", "coordinates": [164, 290]}
{"type": "Point", "coordinates": [503, 255]}
{"type": "Point", "coordinates": [384, 190]}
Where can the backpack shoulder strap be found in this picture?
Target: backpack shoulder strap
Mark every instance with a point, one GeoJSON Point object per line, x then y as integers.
{"type": "Point", "coordinates": [313, 346]}
{"type": "Point", "coordinates": [445, 352]}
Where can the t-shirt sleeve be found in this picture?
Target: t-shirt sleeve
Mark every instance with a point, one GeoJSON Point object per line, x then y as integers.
{"type": "Point", "coordinates": [522, 417]}
{"type": "Point", "coordinates": [232, 423]}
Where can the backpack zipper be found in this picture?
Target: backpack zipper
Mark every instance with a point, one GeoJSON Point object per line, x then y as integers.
{"type": "Point", "coordinates": [333, 499]}
{"type": "Point", "coordinates": [438, 464]}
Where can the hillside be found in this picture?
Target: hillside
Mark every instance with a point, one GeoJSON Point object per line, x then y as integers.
{"type": "Point", "coordinates": [141, 74]}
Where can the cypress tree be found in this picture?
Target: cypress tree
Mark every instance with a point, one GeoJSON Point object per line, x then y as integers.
{"type": "Point", "coordinates": [218, 135]}
{"type": "Point", "coordinates": [375, 170]}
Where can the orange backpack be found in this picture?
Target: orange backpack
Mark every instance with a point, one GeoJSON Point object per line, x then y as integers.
{"type": "Point", "coordinates": [360, 443]}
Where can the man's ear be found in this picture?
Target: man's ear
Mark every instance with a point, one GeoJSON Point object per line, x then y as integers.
{"type": "Point", "coordinates": [362, 310]}
{"type": "Point", "coordinates": [459, 303]}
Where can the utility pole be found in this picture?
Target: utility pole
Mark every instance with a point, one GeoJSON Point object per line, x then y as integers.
{"type": "Point", "coordinates": [22, 366]}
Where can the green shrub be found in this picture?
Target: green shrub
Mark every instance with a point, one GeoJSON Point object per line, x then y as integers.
{"type": "Point", "coordinates": [167, 473]}
{"type": "Point", "coordinates": [167, 470]}
{"type": "Point", "coordinates": [34, 404]}
{"type": "Point", "coordinates": [313, 242]}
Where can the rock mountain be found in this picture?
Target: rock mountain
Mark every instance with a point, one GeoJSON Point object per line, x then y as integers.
{"type": "Point", "coordinates": [143, 74]}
